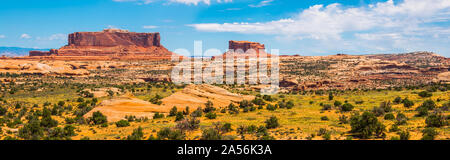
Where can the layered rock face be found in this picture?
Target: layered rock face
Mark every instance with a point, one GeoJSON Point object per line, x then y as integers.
{"type": "Point", "coordinates": [111, 38]}
{"type": "Point", "coordinates": [244, 49]}
{"type": "Point", "coordinates": [246, 45]}
{"type": "Point", "coordinates": [43, 53]}
{"type": "Point", "coordinates": [115, 43]}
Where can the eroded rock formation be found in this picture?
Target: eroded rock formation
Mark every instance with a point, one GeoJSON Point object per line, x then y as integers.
{"type": "Point", "coordinates": [245, 46]}
{"type": "Point", "coordinates": [111, 43]}
{"type": "Point", "coordinates": [244, 49]}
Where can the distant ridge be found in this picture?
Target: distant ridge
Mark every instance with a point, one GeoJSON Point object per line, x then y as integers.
{"type": "Point", "coordinates": [17, 51]}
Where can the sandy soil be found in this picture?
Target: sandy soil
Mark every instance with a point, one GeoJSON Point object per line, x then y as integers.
{"type": "Point", "coordinates": [196, 96]}
{"type": "Point", "coordinates": [116, 109]}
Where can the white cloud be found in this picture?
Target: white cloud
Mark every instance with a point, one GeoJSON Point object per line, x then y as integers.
{"type": "Point", "coordinates": [194, 2]}
{"type": "Point", "coordinates": [379, 36]}
{"type": "Point", "coordinates": [53, 37]}
{"type": "Point", "coordinates": [187, 2]}
{"type": "Point", "coordinates": [58, 36]}
{"type": "Point", "coordinates": [150, 27]}
{"type": "Point", "coordinates": [325, 22]}
{"type": "Point", "coordinates": [261, 4]}
{"type": "Point", "coordinates": [25, 36]}
{"type": "Point", "coordinates": [2, 36]}
{"type": "Point", "coordinates": [138, 1]}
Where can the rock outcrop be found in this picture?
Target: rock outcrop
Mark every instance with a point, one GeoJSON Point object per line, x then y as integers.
{"type": "Point", "coordinates": [44, 53]}
{"type": "Point", "coordinates": [245, 46]}
{"type": "Point", "coordinates": [109, 43]}
{"type": "Point", "coordinates": [113, 37]}
{"type": "Point", "coordinates": [244, 49]}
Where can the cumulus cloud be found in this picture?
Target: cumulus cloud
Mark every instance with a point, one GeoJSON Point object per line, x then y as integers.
{"type": "Point", "coordinates": [25, 36]}
{"type": "Point", "coordinates": [324, 22]}
{"type": "Point", "coordinates": [2, 36]}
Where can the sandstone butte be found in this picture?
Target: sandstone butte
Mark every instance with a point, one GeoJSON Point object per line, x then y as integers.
{"type": "Point", "coordinates": [109, 44]}
{"type": "Point", "coordinates": [242, 49]}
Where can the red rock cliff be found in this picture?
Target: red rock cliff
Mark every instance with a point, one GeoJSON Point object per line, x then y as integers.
{"type": "Point", "coordinates": [111, 43]}
{"type": "Point", "coordinates": [235, 46]}
{"type": "Point", "coordinates": [246, 45]}
{"type": "Point", "coordinates": [111, 37]}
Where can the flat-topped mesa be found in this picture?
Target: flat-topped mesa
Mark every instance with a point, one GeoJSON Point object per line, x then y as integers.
{"type": "Point", "coordinates": [245, 49]}
{"type": "Point", "coordinates": [245, 46]}
{"type": "Point", "coordinates": [114, 37]}
{"type": "Point", "coordinates": [110, 43]}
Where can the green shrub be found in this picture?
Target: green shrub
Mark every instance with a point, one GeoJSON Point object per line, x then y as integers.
{"type": "Point", "coordinates": [226, 128]}
{"type": "Point", "coordinates": [186, 111]}
{"type": "Point", "coordinates": [404, 135]}
{"type": "Point", "coordinates": [389, 116]}
{"type": "Point", "coordinates": [158, 115]}
{"type": "Point", "coordinates": [421, 112]}
{"type": "Point", "coordinates": [210, 134]}
{"type": "Point", "coordinates": [122, 123]}
{"type": "Point", "coordinates": [189, 124]}
{"type": "Point", "coordinates": [327, 136]}
{"type": "Point", "coordinates": [397, 100]}
{"type": "Point", "coordinates": [268, 98]}
{"type": "Point", "coordinates": [98, 118]}
{"type": "Point", "coordinates": [271, 107]}
{"type": "Point", "coordinates": [429, 134]}
{"type": "Point", "coordinates": [366, 125]}
{"type": "Point", "coordinates": [197, 113]}
{"type": "Point", "coordinates": [31, 130]}
{"type": "Point", "coordinates": [347, 107]}
{"type": "Point", "coordinates": [394, 128]}
{"type": "Point", "coordinates": [3, 111]}
{"type": "Point", "coordinates": [173, 111]}
{"type": "Point", "coordinates": [407, 103]}
{"type": "Point", "coordinates": [425, 94]}
{"type": "Point", "coordinates": [245, 104]}
{"type": "Point", "coordinates": [156, 100]}
{"type": "Point", "coordinates": [179, 116]}
{"type": "Point", "coordinates": [401, 119]}
{"type": "Point", "coordinates": [428, 104]}
{"type": "Point", "coordinates": [324, 118]}
{"type": "Point", "coordinates": [211, 115]}
{"type": "Point", "coordinates": [337, 103]}
{"type": "Point", "coordinates": [290, 105]}
{"type": "Point", "coordinates": [258, 101]}
{"type": "Point", "coordinates": [272, 122]}
{"type": "Point", "coordinates": [136, 135]}
{"type": "Point", "coordinates": [209, 107]}
{"type": "Point", "coordinates": [436, 120]}
{"type": "Point", "coordinates": [232, 109]}
{"type": "Point", "coordinates": [169, 134]}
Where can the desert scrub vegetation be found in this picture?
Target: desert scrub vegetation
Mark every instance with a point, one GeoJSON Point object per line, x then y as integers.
{"type": "Point", "coordinates": [55, 108]}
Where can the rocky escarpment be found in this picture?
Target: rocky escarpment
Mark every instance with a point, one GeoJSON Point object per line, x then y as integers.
{"type": "Point", "coordinates": [244, 49]}
{"type": "Point", "coordinates": [111, 38]}
{"type": "Point", "coordinates": [120, 44]}
{"type": "Point", "coordinates": [245, 46]}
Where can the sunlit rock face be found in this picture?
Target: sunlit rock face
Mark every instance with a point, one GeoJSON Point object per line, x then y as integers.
{"type": "Point", "coordinates": [110, 43]}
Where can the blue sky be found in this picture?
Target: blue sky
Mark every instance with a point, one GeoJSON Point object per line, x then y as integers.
{"type": "Point", "coordinates": [305, 27]}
